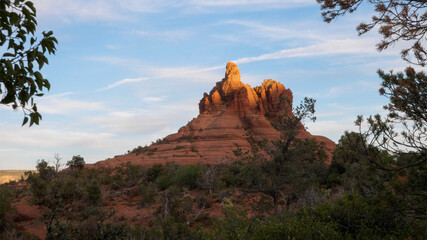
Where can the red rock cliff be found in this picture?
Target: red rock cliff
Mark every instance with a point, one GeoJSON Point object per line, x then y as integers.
{"type": "Point", "coordinates": [231, 117]}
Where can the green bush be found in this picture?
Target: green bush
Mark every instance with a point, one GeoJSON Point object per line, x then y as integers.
{"type": "Point", "coordinates": [154, 172]}
{"type": "Point", "coordinates": [358, 217]}
{"type": "Point", "coordinates": [77, 162]}
{"type": "Point", "coordinates": [231, 174]}
{"type": "Point", "coordinates": [133, 173]}
{"type": "Point", "coordinates": [296, 227]}
{"type": "Point", "coordinates": [5, 208]}
{"type": "Point", "coordinates": [147, 192]}
{"type": "Point", "coordinates": [188, 176]}
{"type": "Point", "coordinates": [38, 188]}
{"type": "Point", "coordinates": [164, 181]}
{"type": "Point", "coordinates": [117, 181]}
{"type": "Point", "coordinates": [171, 228]}
{"type": "Point", "coordinates": [93, 191]}
{"type": "Point", "coordinates": [45, 171]}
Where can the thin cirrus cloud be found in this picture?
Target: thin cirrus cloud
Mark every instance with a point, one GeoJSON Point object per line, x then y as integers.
{"type": "Point", "coordinates": [113, 10]}
{"type": "Point", "coordinates": [61, 104]}
{"type": "Point", "coordinates": [140, 121]}
{"type": "Point", "coordinates": [332, 47]}
{"type": "Point", "coordinates": [134, 124]}
{"type": "Point", "coordinates": [166, 35]}
{"type": "Point", "coordinates": [187, 73]}
{"type": "Point", "coordinates": [122, 82]}
{"type": "Point", "coordinates": [272, 32]}
{"type": "Point", "coordinates": [48, 137]}
{"type": "Point", "coordinates": [153, 99]}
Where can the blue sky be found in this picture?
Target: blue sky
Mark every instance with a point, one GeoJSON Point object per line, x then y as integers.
{"type": "Point", "coordinates": [128, 72]}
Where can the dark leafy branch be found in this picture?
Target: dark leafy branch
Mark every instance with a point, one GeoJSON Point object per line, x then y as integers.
{"type": "Point", "coordinates": [404, 130]}
{"type": "Point", "coordinates": [396, 20]}
{"type": "Point", "coordinates": [23, 56]}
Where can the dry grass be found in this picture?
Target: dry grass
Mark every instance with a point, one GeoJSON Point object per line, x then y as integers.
{"type": "Point", "coordinates": [11, 175]}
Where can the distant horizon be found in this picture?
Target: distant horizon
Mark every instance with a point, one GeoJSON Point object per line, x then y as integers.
{"type": "Point", "coordinates": [127, 74]}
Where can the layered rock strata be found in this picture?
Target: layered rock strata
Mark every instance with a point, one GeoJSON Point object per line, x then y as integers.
{"type": "Point", "coordinates": [233, 117]}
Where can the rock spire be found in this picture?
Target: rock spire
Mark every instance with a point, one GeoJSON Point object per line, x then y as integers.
{"type": "Point", "coordinates": [233, 116]}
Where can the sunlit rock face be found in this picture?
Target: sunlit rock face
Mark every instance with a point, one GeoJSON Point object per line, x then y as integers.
{"type": "Point", "coordinates": [232, 116]}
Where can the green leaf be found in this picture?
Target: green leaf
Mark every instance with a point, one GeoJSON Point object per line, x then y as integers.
{"type": "Point", "coordinates": [26, 12]}
{"type": "Point", "coordinates": [9, 66]}
{"type": "Point", "coordinates": [8, 55]}
{"type": "Point", "coordinates": [8, 99]}
{"type": "Point", "coordinates": [31, 6]}
{"type": "Point", "coordinates": [14, 18]}
{"type": "Point", "coordinates": [25, 121]}
{"type": "Point", "coordinates": [38, 76]}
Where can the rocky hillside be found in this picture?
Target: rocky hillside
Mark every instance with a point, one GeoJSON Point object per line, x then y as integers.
{"type": "Point", "coordinates": [233, 117]}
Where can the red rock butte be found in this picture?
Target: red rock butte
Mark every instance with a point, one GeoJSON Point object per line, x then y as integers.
{"type": "Point", "coordinates": [232, 116]}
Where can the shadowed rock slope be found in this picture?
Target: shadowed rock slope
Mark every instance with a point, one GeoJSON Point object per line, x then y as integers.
{"type": "Point", "coordinates": [233, 117]}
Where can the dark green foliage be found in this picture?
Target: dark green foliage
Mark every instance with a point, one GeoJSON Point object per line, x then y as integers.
{"type": "Point", "coordinates": [396, 21]}
{"type": "Point", "coordinates": [138, 150]}
{"type": "Point", "coordinates": [38, 187]}
{"type": "Point", "coordinates": [46, 172]}
{"type": "Point", "coordinates": [230, 174]}
{"type": "Point", "coordinates": [234, 226]}
{"type": "Point", "coordinates": [154, 172]}
{"type": "Point", "coordinates": [160, 141]}
{"type": "Point", "coordinates": [179, 147]}
{"type": "Point", "coordinates": [203, 201]}
{"type": "Point", "coordinates": [193, 149]}
{"type": "Point", "coordinates": [5, 208]}
{"type": "Point", "coordinates": [361, 218]}
{"type": "Point", "coordinates": [407, 92]}
{"type": "Point", "coordinates": [189, 138]}
{"type": "Point", "coordinates": [77, 162]}
{"type": "Point", "coordinates": [188, 176]}
{"type": "Point", "coordinates": [147, 192]}
{"type": "Point", "coordinates": [133, 174]}
{"type": "Point", "coordinates": [93, 191]}
{"type": "Point", "coordinates": [171, 228]}
{"type": "Point", "coordinates": [117, 181]}
{"type": "Point", "coordinates": [296, 226]}
{"type": "Point", "coordinates": [164, 181]}
{"type": "Point", "coordinates": [23, 55]}
{"type": "Point", "coordinates": [91, 230]}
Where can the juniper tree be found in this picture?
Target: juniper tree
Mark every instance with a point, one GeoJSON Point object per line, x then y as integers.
{"type": "Point", "coordinates": [397, 20]}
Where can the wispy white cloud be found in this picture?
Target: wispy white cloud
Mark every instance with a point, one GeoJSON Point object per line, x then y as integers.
{"type": "Point", "coordinates": [146, 120]}
{"type": "Point", "coordinates": [332, 47]}
{"type": "Point", "coordinates": [60, 104]}
{"type": "Point", "coordinates": [349, 88]}
{"type": "Point", "coordinates": [153, 99]}
{"type": "Point", "coordinates": [132, 123]}
{"type": "Point", "coordinates": [124, 81]}
{"type": "Point", "coordinates": [166, 35]}
{"type": "Point", "coordinates": [70, 11]}
{"type": "Point", "coordinates": [226, 3]}
{"type": "Point", "coordinates": [47, 137]}
{"type": "Point", "coordinates": [43, 141]}
{"type": "Point", "coordinates": [273, 32]}
{"type": "Point", "coordinates": [192, 74]}
{"type": "Point", "coordinates": [332, 129]}
{"type": "Point", "coordinates": [113, 10]}
{"type": "Point", "coordinates": [357, 110]}
{"type": "Point", "coordinates": [209, 6]}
